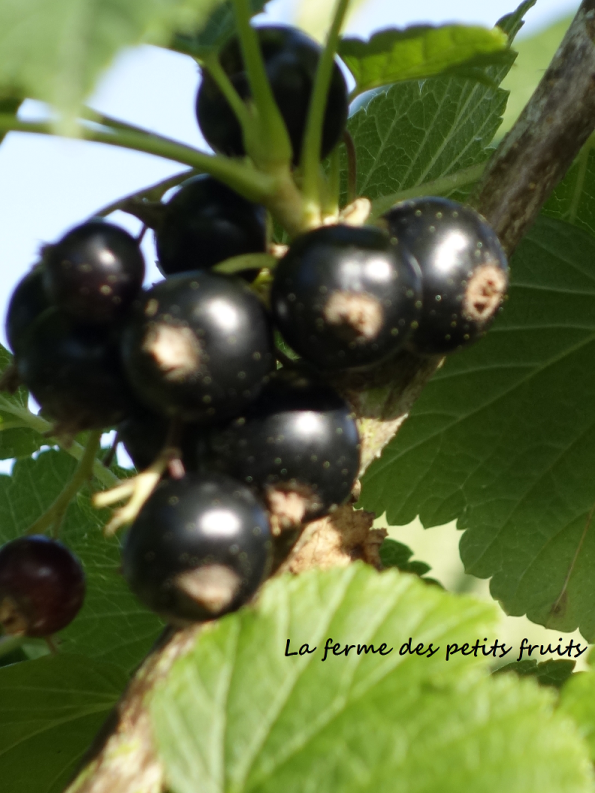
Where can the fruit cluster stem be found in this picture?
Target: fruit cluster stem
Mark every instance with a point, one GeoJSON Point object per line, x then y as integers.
{"type": "Point", "coordinates": [54, 515]}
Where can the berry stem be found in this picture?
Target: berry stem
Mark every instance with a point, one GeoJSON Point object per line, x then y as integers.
{"type": "Point", "coordinates": [437, 187]}
{"type": "Point", "coordinates": [332, 189]}
{"type": "Point", "coordinates": [138, 488]}
{"type": "Point", "coordinates": [240, 176]}
{"type": "Point", "coordinates": [54, 515]}
{"type": "Point", "coordinates": [310, 155]}
{"type": "Point", "coordinates": [351, 167]}
{"type": "Point", "coordinates": [270, 147]}
{"type": "Point", "coordinates": [152, 193]}
{"type": "Point", "coordinates": [43, 427]}
{"type": "Point", "coordinates": [211, 63]}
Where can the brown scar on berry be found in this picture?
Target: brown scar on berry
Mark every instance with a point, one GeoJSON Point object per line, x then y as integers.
{"type": "Point", "coordinates": [175, 349]}
{"type": "Point", "coordinates": [484, 293]}
{"type": "Point", "coordinates": [289, 505]}
{"type": "Point", "coordinates": [358, 317]}
{"type": "Point", "coordinates": [213, 586]}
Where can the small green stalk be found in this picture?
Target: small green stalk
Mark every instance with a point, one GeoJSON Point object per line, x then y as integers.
{"type": "Point", "coordinates": [268, 143]}
{"type": "Point", "coordinates": [331, 189]}
{"type": "Point", "coordinates": [212, 65]}
{"type": "Point", "coordinates": [43, 427]}
{"type": "Point", "coordinates": [310, 158]}
{"type": "Point", "coordinates": [242, 177]}
{"type": "Point", "coordinates": [54, 515]}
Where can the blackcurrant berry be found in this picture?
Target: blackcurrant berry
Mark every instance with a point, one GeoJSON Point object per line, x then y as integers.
{"type": "Point", "coordinates": [199, 548]}
{"type": "Point", "coordinates": [345, 297]}
{"type": "Point", "coordinates": [29, 299]}
{"type": "Point", "coordinates": [144, 434]}
{"type": "Point", "coordinates": [464, 270]}
{"type": "Point", "coordinates": [297, 444]}
{"type": "Point", "coordinates": [94, 272]}
{"type": "Point", "coordinates": [198, 346]}
{"type": "Point", "coordinates": [74, 372]}
{"type": "Point", "coordinates": [291, 60]}
{"type": "Point", "coordinates": [205, 223]}
{"type": "Point", "coordinates": [42, 586]}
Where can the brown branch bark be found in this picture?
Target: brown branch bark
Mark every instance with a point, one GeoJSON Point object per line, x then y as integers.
{"type": "Point", "coordinates": [531, 160]}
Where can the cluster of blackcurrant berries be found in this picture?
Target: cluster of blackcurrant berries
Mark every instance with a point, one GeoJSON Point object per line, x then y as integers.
{"type": "Point", "coordinates": [187, 368]}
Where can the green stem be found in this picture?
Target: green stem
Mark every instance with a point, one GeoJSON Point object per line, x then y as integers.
{"type": "Point", "coordinates": [243, 178]}
{"type": "Point", "coordinates": [351, 167]}
{"type": "Point", "coordinates": [43, 427]}
{"type": "Point", "coordinates": [330, 204]}
{"type": "Point", "coordinates": [310, 155]}
{"type": "Point", "coordinates": [228, 90]}
{"type": "Point", "coordinates": [153, 193]}
{"type": "Point", "coordinates": [437, 187]}
{"type": "Point", "coordinates": [270, 147]}
{"type": "Point", "coordinates": [54, 514]}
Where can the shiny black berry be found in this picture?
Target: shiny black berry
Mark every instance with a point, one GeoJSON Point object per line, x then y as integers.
{"type": "Point", "coordinates": [199, 548]}
{"type": "Point", "coordinates": [464, 270]}
{"type": "Point", "coordinates": [74, 372]}
{"type": "Point", "coordinates": [29, 299]}
{"type": "Point", "coordinates": [205, 223]}
{"type": "Point", "coordinates": [291, 60]}
{"type": "Point", "coordinates": [94, 272]}
{"type": "Point", "coordinates": [42, 586]}
{"type": "Point", "coordinates": [297, 445]}
{"type": "Point", "coordinates": [345, 297]}
{"type": "Point", "coordinates": [145, 433]}
{"type": "Point", "coordinates": [198, 345]}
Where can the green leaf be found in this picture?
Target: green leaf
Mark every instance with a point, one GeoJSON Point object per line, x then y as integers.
{"type": "Point", "coordinates": [513, 22]}
{"type": "Point", "coordinates": [55, 51]}
{"type": "Point", "coordinates": [420, 51]}
{"type": "Point", "coordinates": [396, 554]}
{"type": "Point", "coordinates": [578, 701]}
{"type": "Point", "coordinates": [416, 133]}
{"type": "Point", "coordinates": [16, 439]}
{"type": "Point", "coordinates": [503, 439]}
{"type": "Point", "coordinates": [218, 28]}
{"type": "Point", "coordinates": [236, 714]}
{"type": "Point", "coordinates": [573, 200]}
{"type": "Point", "coordinates": [430, 137]}
{"type": "Point", "coordinates": [548, 673]}
{"type": "Point", "coordinates": [51, 710]}
{"type": "Point", "coordinates": [112, 626]}
{"type": "Point", "coordinates": [534, 54]}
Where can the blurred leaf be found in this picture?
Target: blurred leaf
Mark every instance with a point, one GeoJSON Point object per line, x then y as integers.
{"type": "Point", "coordinates": [51, 710]}
{"type": "Point", "coordinates": [237, 714]}
{"type": "Point", "coordinates": [55, 51]}
{"type": "Point", "coordinates": [10, 106]}
{"type": "Point", "coordinates": [578, 701]}
{"type": "Point", "coordinates": [218, 28]}
{"type": "Point", "coordinates": [111, 626]}
{"type": "Point", "coordinates": [534, 54]}
{"type": "Point", "coordinates": [16, 439]}
{"type": "Point", "coordinates": [396, 554]}
{"type": "Point", "coordinates": [419, 51]}
{"type": "Point", "coordinates": [503, 439]}
{"type": "Point", "coordinates": [548, 673]}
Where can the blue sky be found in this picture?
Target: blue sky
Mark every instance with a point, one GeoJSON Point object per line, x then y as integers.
{"type": "Point", "coordinates": [50, 184]}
